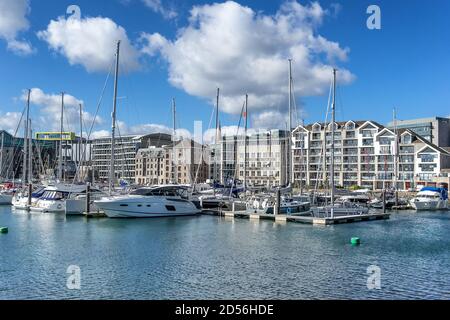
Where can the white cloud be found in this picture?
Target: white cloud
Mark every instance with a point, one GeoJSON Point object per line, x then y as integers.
{"type": "Point", "coordinates": [90, 42]}
{"type": "Point", "coordinates": [158, 7]}
{"type": "Point", "coordinates": [13, 20]}
{"type": "Point", "coordinates": [230, 46]}
{"type": "Point", "coordinates": [141, 129]}
{"type": "Point", "coordinates": [9, 121]}
{"type": "Point", "coordinates": [48, 114]}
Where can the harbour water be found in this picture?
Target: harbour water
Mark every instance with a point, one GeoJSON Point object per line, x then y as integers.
{"type": "Point", "coordinates": [207, 257]}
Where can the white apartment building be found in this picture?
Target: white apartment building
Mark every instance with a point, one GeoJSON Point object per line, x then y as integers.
{"type": "Point", "coordinates": [365, 153]}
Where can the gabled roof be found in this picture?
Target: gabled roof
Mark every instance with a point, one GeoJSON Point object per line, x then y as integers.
{"type": "Point", "coordinates": [358, 124]}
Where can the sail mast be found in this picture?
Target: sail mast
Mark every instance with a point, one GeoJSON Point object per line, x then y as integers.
{"type": "Point", "coordinates": [30, 152]}
{"type": "Point", "coordinates": [61, 139]}
{"type": "Point", "coordinates": [80, 145]}
{"type": "Point", "coordinates": [174, 165]}
{"type": "Point", "coordinates": [113, 126]}
{"type": "Point", "coordinates": [289, 147]}
{"type": "Point", "coordinates": [245, 140]}
{"type": "Point", "coordinates": [333, 119]}
{"type": "Point", "coordinates": [394, 115]}
{"type": "Point", "coordinates": [25, 141]}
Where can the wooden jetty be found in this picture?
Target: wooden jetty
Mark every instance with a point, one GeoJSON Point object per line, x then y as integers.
{"type": "Point", "coordinates": [306, 219]}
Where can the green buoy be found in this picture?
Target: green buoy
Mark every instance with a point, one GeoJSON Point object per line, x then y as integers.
{"type": "Point", "coordinates": [355, 241]}
{"type": "Point", "coordinates": [3, 230]}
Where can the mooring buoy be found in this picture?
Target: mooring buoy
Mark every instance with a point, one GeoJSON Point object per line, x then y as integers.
{"type": "Point", "coordinates": [355, 241]}
{"type": "Point", "coordinates": [3, 230]}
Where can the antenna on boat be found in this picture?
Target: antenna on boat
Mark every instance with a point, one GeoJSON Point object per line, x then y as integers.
{"type": "Point", "coordinates": [113, 116]}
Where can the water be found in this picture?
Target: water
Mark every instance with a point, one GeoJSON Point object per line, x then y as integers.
{"type": "Point", "coordinates": [209, 257]}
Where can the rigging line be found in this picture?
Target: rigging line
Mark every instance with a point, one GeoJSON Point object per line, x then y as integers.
{"type": "Point", "coordinates": [201, 157]}
{"type": "Point", "coordinates": [322, 154]}
{"type": "Point", "coordinates": [15, 149]}
{"type": "Point", "coordinates": [245, 141]}
{"type": "Point", "coordinates": [95, 115]}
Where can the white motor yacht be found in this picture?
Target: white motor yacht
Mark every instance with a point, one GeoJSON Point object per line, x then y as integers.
{"type": "Point", "coordinates": [430, 198]}
{"type": "Point", "coordinates": [149, 202]}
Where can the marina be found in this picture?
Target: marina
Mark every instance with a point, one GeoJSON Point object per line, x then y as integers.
{"type": "Point", "coordinates": [213, 257]}
{"type": "Point", "coordinates": [154, 150]}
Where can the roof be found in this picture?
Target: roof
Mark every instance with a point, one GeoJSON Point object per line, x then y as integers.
{"type": "Point", "coordinates": [358, 123]}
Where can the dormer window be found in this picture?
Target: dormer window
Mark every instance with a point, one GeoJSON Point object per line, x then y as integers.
{"type": "Point", "coordinates": [316, 127]}
{"type": "Point", "coordinates": [336, 127]}
{"type": "Point", "coordinates": [350, 125]}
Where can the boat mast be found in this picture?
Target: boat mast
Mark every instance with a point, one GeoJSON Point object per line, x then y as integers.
{"type": "Point", "coordinates": [30, 152]}
{"type": "Point", "coordinates": [174, 165]}
{"type": "Point", "coordinates": [217, 139]}
{"type": "Point", "coordinates": [289, 147]}
{"type": "Point", "coordinates": [394, 115]}
{"type": "Point", "coordinates": [113, 126]}
{"type": "Point", "coordinates": [25, 141]}
{"type": "Point", "coordinates": [333, 119]}
{"type": "Point", "coordinates": [80, 145]}
{"type": "Point", "coordinates": [61, 138]}
{"type": "Point", "coordinates": [245, 140]}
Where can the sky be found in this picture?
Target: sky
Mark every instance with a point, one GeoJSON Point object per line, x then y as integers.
{"type": "Point", "coordinates": [185, 50]}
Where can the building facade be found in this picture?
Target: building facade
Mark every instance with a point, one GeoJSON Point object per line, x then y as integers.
{"type": "Point", "coordinates": [126, 148]}
{"type": "Point", "coordinates": [266, 158]}
{"type": "Point", "coordinates": [11, 156]}
{"type": "Point", "coordinates": [436, 129]}
{"type": "Point", "coordinates": [184, 163]}
{"type": "Point", "coordinates": [366, 154]}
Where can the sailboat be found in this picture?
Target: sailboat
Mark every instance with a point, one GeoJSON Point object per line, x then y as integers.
{"type": "Point", "coordinates": [146, 202]}
{"type": "Point", "coordinates": [336, 208]}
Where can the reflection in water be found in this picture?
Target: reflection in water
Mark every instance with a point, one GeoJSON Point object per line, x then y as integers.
{"type": "Point", "coordinates": [222, 258]}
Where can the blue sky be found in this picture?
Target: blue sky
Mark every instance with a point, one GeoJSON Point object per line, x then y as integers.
{"type": "Point", "coordinates": [403, 65]}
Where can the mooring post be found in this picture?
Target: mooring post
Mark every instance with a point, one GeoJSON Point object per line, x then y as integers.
{"type": "Point", "coordinates": [88, 198]}
{"type": "Point", "coordinates": [30, 188]}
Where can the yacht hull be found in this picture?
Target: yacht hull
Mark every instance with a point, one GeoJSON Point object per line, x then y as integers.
{"type": "Point", "coordinates": [146, 207]}
{"type": "Point", "coordinates": [429, 205]}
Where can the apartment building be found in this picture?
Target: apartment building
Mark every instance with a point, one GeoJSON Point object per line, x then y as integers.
{"type": "Point", "coordinates": [266, 160]}
{"type": "Point", "coordinates": [365, 154]}
{"type": "Point", "coordinates": [435, 129]}
{"type": "Point", "coordinates": [184, 163]}
{"type": "Point", "coordinates": [126, 148]}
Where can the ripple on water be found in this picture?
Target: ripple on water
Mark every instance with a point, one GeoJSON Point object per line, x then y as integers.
{"type": "Point", "coordinates": [214, 258]}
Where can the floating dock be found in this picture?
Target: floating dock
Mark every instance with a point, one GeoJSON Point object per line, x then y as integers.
{"type": "Point", "coordinates": [301, 219]}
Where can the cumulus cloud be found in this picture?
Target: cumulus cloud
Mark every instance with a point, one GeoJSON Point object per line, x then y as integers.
{"type": "Point", "coordinates": [230, 46]}
{"type": "Point", "coordinates": [9, 121]}
{"type": "Point", "coordinates": [90, 42]}
{"type": "Point", "coordinates": [158, 7]}
{"type": "Point", "coordinates": [141, 129]}
{"type": "Point", "coordinates": [13, 20]}
{"type": "Point", "coordinates": [48, 114]}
